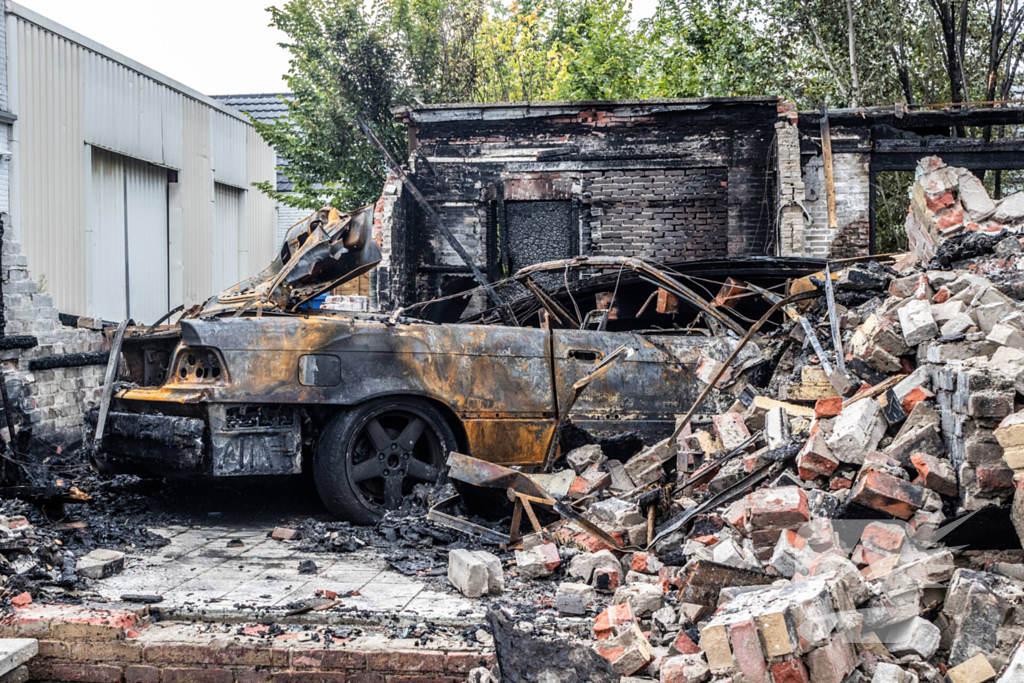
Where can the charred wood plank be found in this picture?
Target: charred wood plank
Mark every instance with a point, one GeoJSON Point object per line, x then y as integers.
{"type": "Point", "coordinates": [69, 360]}
{"type": "Point", "coordinates": [18, 341]}
{"type": "Point", "coordinates": [703, 581]}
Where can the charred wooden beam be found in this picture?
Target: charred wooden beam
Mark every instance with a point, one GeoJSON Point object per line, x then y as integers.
{"type": "Point", "coordinates": [69, 360]}
{"type": "Point", "coordinates": [17, 341]}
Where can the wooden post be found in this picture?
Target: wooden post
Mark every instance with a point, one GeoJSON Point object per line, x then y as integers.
{"type": "Point", "coordinates": [826, 158]}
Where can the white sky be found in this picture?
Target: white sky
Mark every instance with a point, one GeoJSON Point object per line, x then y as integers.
{"type": "Point", "coordinates": [218, 47]}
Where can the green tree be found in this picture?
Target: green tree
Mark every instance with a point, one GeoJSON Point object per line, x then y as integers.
{"type": "Point", "coordinates": [343, 62]}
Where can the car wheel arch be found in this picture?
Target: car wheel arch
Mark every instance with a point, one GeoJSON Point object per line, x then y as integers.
{"type": "Point", "coordinates": [449, 415]}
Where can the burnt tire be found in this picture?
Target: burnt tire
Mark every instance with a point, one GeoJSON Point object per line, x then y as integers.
{"type": "Point", "coordinates": [371, 456]}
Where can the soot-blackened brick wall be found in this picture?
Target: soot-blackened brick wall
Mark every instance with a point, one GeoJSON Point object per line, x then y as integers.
{"type": "Point", "coordinates": [663, 214]}
{"type": "Point", "coordinates": [668, 180]}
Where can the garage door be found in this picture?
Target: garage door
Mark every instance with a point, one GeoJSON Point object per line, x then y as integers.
{"type": "Point", "coordinates": [227, 242]}
{"type": "Point", "coordinates": [128, 206]}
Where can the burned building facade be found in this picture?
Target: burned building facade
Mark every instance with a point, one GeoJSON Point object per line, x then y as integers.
{"type": "Point", "coordinates": [519, 184]}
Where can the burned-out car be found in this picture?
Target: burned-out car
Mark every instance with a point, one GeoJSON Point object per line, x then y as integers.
{"type": "Point", "coordinates": [254, 382]}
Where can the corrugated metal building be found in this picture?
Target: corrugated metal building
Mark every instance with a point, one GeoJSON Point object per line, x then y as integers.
{"type": "Point", "coordinates": [130, 192]}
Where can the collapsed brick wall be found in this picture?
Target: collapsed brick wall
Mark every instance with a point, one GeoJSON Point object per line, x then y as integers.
{"type": "Point", "coordinates": [671, 180]}
{"type": "Point", "coordinates": [790, 182]}
{"type": "Point", "coordinates": [851, 174]}
{"type": "Point", "coordinates": [852, 240]}
{"type": "Point", "coordinates": [53, 402]}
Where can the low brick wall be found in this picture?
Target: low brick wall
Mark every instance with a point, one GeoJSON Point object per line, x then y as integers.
{"type": "Point", "coordinates": [101, 646]}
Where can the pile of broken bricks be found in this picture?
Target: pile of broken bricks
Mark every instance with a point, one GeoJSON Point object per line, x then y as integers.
{"type": "Point", "coordinates": [802, 534]}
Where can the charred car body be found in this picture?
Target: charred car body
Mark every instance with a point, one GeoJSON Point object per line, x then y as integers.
{"type": "Point", "coordinates": [254, 383]}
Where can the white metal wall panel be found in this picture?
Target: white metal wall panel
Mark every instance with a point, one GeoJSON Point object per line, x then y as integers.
{"type": "Point", "coordinates": [147, 240]}
{"type": "Point", "coordinates": [228, 149]}
{"type": "Point", "coordinates": [73, 97]}
{"type": "Point", "coordinates": [108, 285]}
{"type": "Point", "coordinates": [128, 216]}
{"type": "Point", "coordinates": [225, 243]}
{"type": "Point", "coordinates": [51, 163]}
{"type": "Point", "coordinates": [196, 204]}
{"type": "Point", "coordinates": [130, 113]}
{"type": "Point", "coordinates": [261, 210]}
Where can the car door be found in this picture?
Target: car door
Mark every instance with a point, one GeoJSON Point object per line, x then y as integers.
{"type": "Point", "coordinates": [642, 393]}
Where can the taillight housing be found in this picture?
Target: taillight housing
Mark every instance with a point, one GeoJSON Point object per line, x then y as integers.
{"type": "Point", "coordinates": [198, 365]}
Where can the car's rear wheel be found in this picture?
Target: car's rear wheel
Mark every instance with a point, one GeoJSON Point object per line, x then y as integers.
{"type": "Point", "coordinates": [370, 457]}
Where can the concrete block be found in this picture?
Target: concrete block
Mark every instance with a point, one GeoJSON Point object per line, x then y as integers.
{"type": "Point", "coordinates": [915, 636]}
{"type": "Point", "coordinates": [574, 598]}
{"type": "Point", "coordinates": [857, 430]}
{"type": "Point", "coordinates": [731, 430]}
{"type": "Point", "coordinates": [585, 565]}
{"type": "Point", "coordinates": [539, 561]}
{"type": "Point", "coordinates": [917, 322]}
{"type": "Point", "coordinates": [614, 514]}
{"type": "Point", "coordinates": [100, 563]}
{"type": "Point", "coordinates": [988, 315]}
{"type": "Point", "coordinates": [776, 425]}
{"type": "Point", "coordinates": [685, 668]}
{"type": "Point", "coordinates": [475, 573]}
{"type": "Point", "coordinates": [892, 673]}
{"type": "Point", "coordinates": [977, 669]}
{"type": "Point", "coordinates": [958, 324]}
{"type": "Point", "coordinates": [583, 457]}
{"type": "Point", "coordinates": [1006, 335]}
{"type": "Point", "coordinates": [16, 651]}
{"type": "Point", "coordinates": [644, 599]}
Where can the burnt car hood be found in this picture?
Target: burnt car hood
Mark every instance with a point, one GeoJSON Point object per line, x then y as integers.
{"type": "Point", "coordinates": [326, 249]}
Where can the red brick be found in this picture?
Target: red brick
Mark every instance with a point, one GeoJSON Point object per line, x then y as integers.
{"type": "Point", "coordinates": [251, 676]}
{"type": "Point", "coordinates": [189, 675]}
{"type": "Point", "coordinates": [105, 651]}
{"type": "Point", "coordinates": [464, 662]}
{"type": "Point", "coordinates": [886, 493]}
{"type": "Point", "coordinates": [939, 202]}
{"type": "Point", "coordinates": [884, 538]}
{"type": "Point", "coordinates": [782, 506]}
{"type": "Point", "coordinates": [995, 478]}
{"type": "Point", "coordinates": [365, 677]}
{"type": "Point", "coordinates": [405, 661]}
{"type": "Point", "coordinates": [791, 671]}
{"type": "Point", "coordinates": [425, 679]}
{"type": "Point", "coordinates": [590, 480]}
{"type": "Point", "coordinates": [837, 483]}
{"type": "Point", "coordinates": [815, 459]}
{"type": "Point", "coordinates": [684, 645]}
{"type": "Point", "coordinates": [142, 674]}
{"type": "Point", "coordinates": [941, 296]}
{"type": "Point", "coordinates": [53, 648]}
{"type": "Point", "coordinates": [916, 395]}
{"type": "Point", "coordinates": [22, 599]}
{"type": "Point", "coordinates": [249, 655]}
{"type": "Point", "coordinates": [283, 534]}
{"type": "Point", "coordinates": [309, 677]}
{"type": "Point", "coordinates": [331, 660]}
{"type": "Point", "coordinates": [746, 649]}
{"type": "Point", "coordinates": [180, 653]}
{"type": "Point", "coordinates": [85, 631]}
{"type": "Point", "coordinates": [83, 673]}
{"type": "Point", "coordinates": [828, 407]}
{"type": "Point", "coordinates": [606, 580]}
{"type": "Point", "coordinates": [954, 216]}
{"type": "Point", "coordinates": [606, 623]}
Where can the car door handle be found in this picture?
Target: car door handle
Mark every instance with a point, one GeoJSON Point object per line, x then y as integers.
{"type": "Point", "coordinates": [584, 354]}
